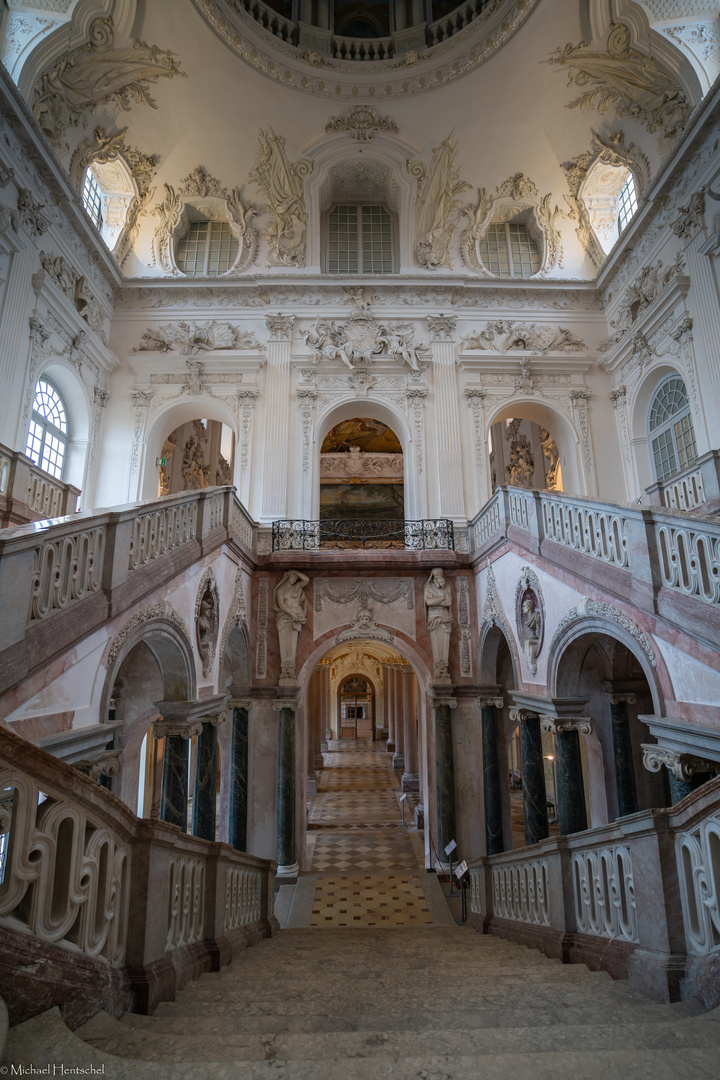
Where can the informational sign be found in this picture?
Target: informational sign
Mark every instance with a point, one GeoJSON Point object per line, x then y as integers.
{"type": "Point", "coordinates": [160, 461]}
{"type": "Point", "coordinates": [403, 797]}
{"type": "Point", "coordinates": [460, 870]}
{"type": "Point", "coordinates": [450, 847]}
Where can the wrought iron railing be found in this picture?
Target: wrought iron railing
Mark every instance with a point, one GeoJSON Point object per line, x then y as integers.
{"type": "Point", "coordinates": [300, 535]}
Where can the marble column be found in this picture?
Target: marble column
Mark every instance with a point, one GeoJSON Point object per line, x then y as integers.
{"type": "Point", "coordinates": [444, 774]}
{"type": "Point", "coordinates": [492, 775]}
{"type": "Point", "coordinates": [287, 864]}
{"type": "Point", "coordinates": [237, 825]}
{"type": "Point", "coordinates": [686, 772]}
{"type": "Point", "coordinates": [389, 687]}
{"type": "Point", "coordinates": [326, 733]}
{"type": "Point", "coordinates": [533, 776]}
{"type": "Point", "coordinates": [572, 815]}
{"type": "Point", "coordinates": [410, 778]}
{"type": "Point", "coordinates": [176, 758]}
{"type": "Point", "coordinates": [205, 786]}
{"type": "Point", "coordinates": [622, 752]}
{"type": "Point", "coordinates": [399, 711]}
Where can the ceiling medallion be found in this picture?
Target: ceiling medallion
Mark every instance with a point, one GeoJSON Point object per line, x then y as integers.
{"type": "Point", "coordinates": [413, 73]}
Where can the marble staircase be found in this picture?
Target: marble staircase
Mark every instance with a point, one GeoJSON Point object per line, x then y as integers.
{"type": "Point", "coordinates": [435, 1003]}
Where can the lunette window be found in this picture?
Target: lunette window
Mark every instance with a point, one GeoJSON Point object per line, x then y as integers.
{"type": "Point", "coordinates": [48, 432]}
{"type": "Point", "coordinates": [508, 250]}
{"type": "Point", "coordinates": [208, 249]}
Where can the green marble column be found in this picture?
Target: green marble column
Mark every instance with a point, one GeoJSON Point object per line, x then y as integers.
{"type": "Point", "coordinates": [572, 816]}
{"type": "Point", "coordinates": [237, 825]}
{"type": "Point", "coordinates": [492, 776]}
{"type": "Point", "coordinates": [533, 778]}
{"type": "Point", "coordinates": [623, 755]}
{"type": "Point", "coordinates": [205, 786]}
{"type": "Point", "coordinates": [286, 793]}
{"type": "Point", "coordinates": [685, 771]}
{"type": "Point", "coordinates": [174, 790]}
{"type": "Point", "coordinates": [444, 777]}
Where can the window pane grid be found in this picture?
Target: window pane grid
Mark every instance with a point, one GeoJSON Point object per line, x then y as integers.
{"type": "Point", "coordinates": [48, 430]}
{"type": "Point", "coordinates": [508, 250]}
{"type": "Point", "coordinates": [92, 198]}
{"type": "Point", "coordinates": [377, 240]}
{"type": "Point", "coordinates": [359, 240]}
{"type": "Point", "coordinates": [207, 249]}
{"type": "Point", "coordinates": [673, 446]}
{"type": "Point", "coordinates": [627, 203]}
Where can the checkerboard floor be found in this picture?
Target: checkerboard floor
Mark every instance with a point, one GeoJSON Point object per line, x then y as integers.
{"type": "Point", "coordinates": [368, 865]}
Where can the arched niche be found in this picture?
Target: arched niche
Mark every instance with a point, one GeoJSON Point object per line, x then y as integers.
{"type": "Point", "coordinates": [552, 420]}
{"type": "Point", "coordinates": [364, 407]}
{"type": "Point", "coordinates": [74, 394]}
{"type": "Point", "coordinates": [337, 154]}
{"type": "Point", "coordinates": [168, 420]}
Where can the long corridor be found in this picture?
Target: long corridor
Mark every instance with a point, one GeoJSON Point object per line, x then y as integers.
{"type": "Point", "coordinates": [366, 868]}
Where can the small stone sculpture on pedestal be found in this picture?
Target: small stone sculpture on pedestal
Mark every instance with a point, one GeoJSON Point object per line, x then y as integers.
{"type": "Point", "coordinates": [290, 606]}
{"type": "Point", "coordinates": [438, 617]}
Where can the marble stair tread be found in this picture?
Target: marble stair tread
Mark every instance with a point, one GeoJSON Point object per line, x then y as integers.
{"type": "Point", "coordinates": [45, 1039]}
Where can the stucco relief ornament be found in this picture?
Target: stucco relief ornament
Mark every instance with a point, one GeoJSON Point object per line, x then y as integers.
{"type": "Point", "coordinates": [361, 339]}
{"type": "Point", "coordinates": [438, 206]}
{"type": "Point", "coordinates": [282, 182]}
{"type": "Point", "coordinates": [192, 338]}
{"type": "Point", "coordinates": [207, 609]}
{"type": "Point", "coordinates": [360, 122]}
{"type": "Point", "coordinates": [529, 616]}
{"type": "Point", "coordinates": [635, 84]}
{"type": "Point", "coordinates": [439, 620]}
{"type": "Point", "coordinates": [364, 626]}
{"type": "Point", "coordinates": [516, 194]}
{"type": "Point", "coordinates": [97, 74]}
{"type": "Point", "coordinates": [290, 606]}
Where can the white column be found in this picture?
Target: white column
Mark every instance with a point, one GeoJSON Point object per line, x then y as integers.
{"type": "Point", "coordinates": [277, 417]}
{"type": "Point", "coordinates": [17, 307]}
{"type": "Point", "coordinates": [447, 417]}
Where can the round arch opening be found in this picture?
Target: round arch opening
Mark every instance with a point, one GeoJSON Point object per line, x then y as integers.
{"type": "Point", "coordinates": [532, 445]}
{"type": "Point", "coordinates": [179, 421]}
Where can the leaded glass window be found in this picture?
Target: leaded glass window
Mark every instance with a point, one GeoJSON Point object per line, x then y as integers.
{"type": "Point", "coordinates": [508, 250]}
{"type": "Point", "coordinates": [360, 240]}
{"type": "Point", "coordinates": [48, 433]}
{"type": "Point", "coordinates": [208, 249]}
{"type": "Point", "coordinates": [671, 429]}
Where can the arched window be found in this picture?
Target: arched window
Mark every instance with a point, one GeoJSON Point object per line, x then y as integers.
{"type": "Point", "coordinates": [672, 437]}
{"type": "Point", "coordinates": [208, 249]}
{"type": "Point", "coordinates": [48, 434]}
{"type": "Point", "coordinates": [508, 250]}
{"type": "Point", "coordinates": [92, 198]}
{"type": "Point", "coordinates": [360, 240]}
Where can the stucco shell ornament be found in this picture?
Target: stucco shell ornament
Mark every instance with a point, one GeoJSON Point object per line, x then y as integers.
{"type": "Point", "coordinates": [412, 72]}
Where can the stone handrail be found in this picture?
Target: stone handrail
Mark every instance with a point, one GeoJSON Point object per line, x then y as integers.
{"type": "Point", "coordinates": [28, 493]}
{"type": "Point", "coordinates": [640, 893]}
{"type": "Point", "coordinates": [696, 486]}
{"type": "Point", "coordinates": [136, 900]}
{"type": "Point", "coordinates": [658, 558]}
{"type": "Point", "coordinates": [105, 560]}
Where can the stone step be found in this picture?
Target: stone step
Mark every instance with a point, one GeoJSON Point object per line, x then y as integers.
{"type": "Point", "coordinates": [230, 1045]}
{"type": "Point", "coordinates": [46, 1041]}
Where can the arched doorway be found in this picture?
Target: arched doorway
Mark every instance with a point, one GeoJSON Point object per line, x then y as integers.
{"type": "Point", "coordinates": [356, 711]}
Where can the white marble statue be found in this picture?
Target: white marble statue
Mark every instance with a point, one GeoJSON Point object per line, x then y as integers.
{"type": "Point", "coordinates": [290, 606]}
{"type": "Point", "coordinates": [438, 618]}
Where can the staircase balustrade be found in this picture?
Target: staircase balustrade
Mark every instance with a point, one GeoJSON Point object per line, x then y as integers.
{"type": "Point", "coordinates": [141, 904]}
{"type": "Point", "coordinates": [580, 898]}
{"type": "Point", "coordinates": [28, 493]}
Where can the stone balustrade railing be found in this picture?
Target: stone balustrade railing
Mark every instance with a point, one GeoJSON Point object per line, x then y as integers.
{"type": "Point", "coordinates": [696, 487]}
{"type": "Point", "coordinates": [662, 560]}
{"type": "Point", "coordinates": [103, 910]}
{"type": "Point", "coordinates": [641, 895]}
{"type": "Point", "coordinates": [28, 493]}
{"type": "Point", "coordinates": [61, 575]}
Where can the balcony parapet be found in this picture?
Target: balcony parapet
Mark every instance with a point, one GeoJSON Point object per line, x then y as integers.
{"type": "Point", "coordinates": [663, 561]}
{"type": "Point", "coordinates": [695, 488]}
{"type": "Point", "coordinates": [301, 535]}
{"type": "Point", "coordinates": [28, 493]}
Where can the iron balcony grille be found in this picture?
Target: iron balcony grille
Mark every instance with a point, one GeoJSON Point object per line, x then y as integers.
{"type": "Point", "coordinates": [428, 535]}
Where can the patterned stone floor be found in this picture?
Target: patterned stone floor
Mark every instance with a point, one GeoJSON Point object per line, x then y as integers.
{"type": "Point", "coordinates": [369, 867]}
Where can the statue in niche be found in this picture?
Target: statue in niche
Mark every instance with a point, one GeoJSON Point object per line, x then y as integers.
{"type": "Point", "coordinates": [552, 459]}
{"type": "Point", "coordinates": [223, 473]}
{"type": "Point", "coordinates": [194, 470]}
{"type": "Point", "coordinates": [529, 616]}
{"type": "Point", "coordinates": [290, 606]}
{"type": "Point", "coordinates": [438, 618]}
{"type": "Point", "coordinates": [206, 625]}
{"type": "Point", "coordinates": [520, 471]}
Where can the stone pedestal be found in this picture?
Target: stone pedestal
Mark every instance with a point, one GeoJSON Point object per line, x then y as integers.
{"type": "Point", "coordinates": [622, 753]}
{"type": "Point", "coordinates": [492, 775]}
{"type": "Point", "coordinates": [287, 865]}
{"type": "Point", "coordinates": [237, 825]}
{"type": "Point", "coordinates": [533, 776]}
{"type": "Point", "coordinates": [572, 815]}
